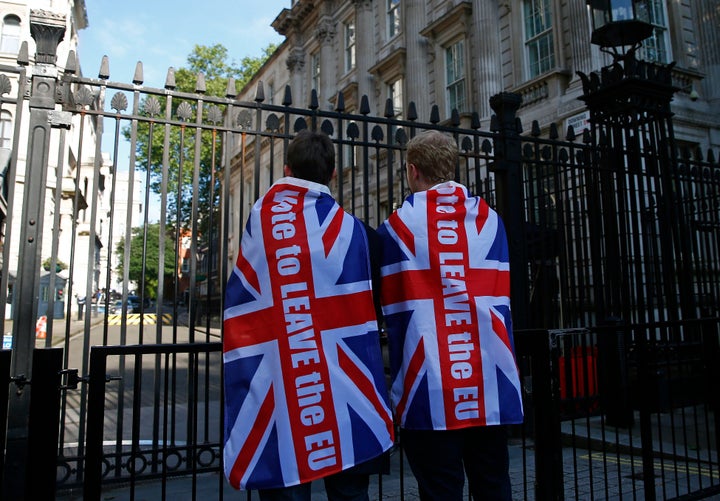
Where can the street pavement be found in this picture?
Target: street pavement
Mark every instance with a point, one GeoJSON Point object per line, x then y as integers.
{"type": "Point", "coordinates": [588, 472]}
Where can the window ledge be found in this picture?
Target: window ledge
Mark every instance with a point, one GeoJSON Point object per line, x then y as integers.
{"type": "Point", "coordinates": [548, 85]}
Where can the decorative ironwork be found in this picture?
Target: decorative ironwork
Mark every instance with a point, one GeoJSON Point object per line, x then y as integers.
{"type": "Point", "coordinates": [119, 102]}
{"type": "Point", "coordinates": [214, 115]}
{"type": "Point", "coordinates": [5, 85]}
{"type": "Point", "coordinates": [84, 96]}
{"type": "Point", "coordinates": [152, 107]}
{"type": "Point", "coordinates": [184, 111]}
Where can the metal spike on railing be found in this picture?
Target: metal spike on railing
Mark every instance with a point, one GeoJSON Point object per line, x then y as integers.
{"type": "Point", "coordinates": [71, 63]}
{"type": "Point", "coordinates": [435, 114]}
{"type": "Point", "coordinates": [230, 89]}
{"type": "Point", "coordinates": [287, 97]}
{"type": "Point", "coordinates": [364, 105]}
{"type": "Point", "coordinates": [260, 92]}
{"type": "Point", "coordinates": [104, 72]}
{"type": "Point", "coordinates": [23, 58]}
{"type": "Point", "coordinates": [412, 111]}
{"type": "Point", "coordinates": [535, 129]}
{"type": "Point", "coordinates": [170, 79]}
{"type": "Point", "coordinates": [455, 117]}
{"type": "Point", "coordinates": [200, 86]}
{"type": "Point", "coordinates": [554, 131]}
{"type": "Point", "coordinates": [389, 108]}
{"type": "Point", "coordinates": [314, 103]}
{"type": "Point", "coordinates": [138, 77]}
{"type": "Point", "coordinates": [570, 135]}
{"type": "Point", "coordinates": [475, 120]}
{"type": "Point", "coordinates": [340, 105]}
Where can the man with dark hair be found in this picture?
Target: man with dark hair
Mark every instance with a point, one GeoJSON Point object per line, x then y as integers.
{"type": "Point", "coordinates": [305, 396]}
{"type": "Point", "coordinates": [445, 298]}
{"type": "Point", "coordinates": [311, 156]}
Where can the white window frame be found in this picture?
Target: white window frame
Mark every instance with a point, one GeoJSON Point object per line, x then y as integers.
{"type": "Point", "coordinates": [395, 94]}
{"type": "Point", "coordinates": [394, 27]}
{"type": "Point", "coordinates": [6, 129]}
{"type": "Point", "coordinates": [456, 76]}
{"type": "Point", "coordinates": [10, 36]}
{"type": "Point", "coordinates": [315, 72]}
{"type": "Point", "coordinates": [539, 40]}
{"type": "Point", "coordinates": [349, 36]}
{"type": "Point", "coordinates": [270, 92]}
{"type": "Point", "coordinates": [656, 48]}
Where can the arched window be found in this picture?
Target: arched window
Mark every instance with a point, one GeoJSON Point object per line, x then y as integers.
{"type": "Point", "coordinates": [10, 38]}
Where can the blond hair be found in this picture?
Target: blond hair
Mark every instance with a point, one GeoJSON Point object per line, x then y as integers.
{"type": "Point", "coordinates": [435, 155]}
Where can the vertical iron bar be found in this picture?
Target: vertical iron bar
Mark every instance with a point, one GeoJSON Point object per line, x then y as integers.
{"type": "Point", "coordinates": [92, 484]}
{"type": "Point", "coordinates": [5, 359]}
{"type": "Point", "coordinates": [43, 422]}
{"type": "Point", "coordinates": [10, 176]}
{"type": "Point", "coordinates": [47, 34]}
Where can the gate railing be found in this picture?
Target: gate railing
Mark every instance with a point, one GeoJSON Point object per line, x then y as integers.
{"type": "Point", "coordinates": [154, 412]}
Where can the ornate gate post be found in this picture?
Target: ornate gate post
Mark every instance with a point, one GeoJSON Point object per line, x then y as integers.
{"type": "Point", "coordinates": [511, 199]}
{"type": "Point", "coordinates": [631, 139]}
{"type": "Point", "coordinates": [48, 30]}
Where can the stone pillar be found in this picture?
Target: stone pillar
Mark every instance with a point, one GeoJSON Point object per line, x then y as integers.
{"type": "Point", "coordinates": [416, 77]}
{"type": "Point", "coordinates": [325, 34]}
{"type": "Point", "coordinates": [365, 47]}
{"type": "Point", "coordinates": [707, 21]}
{"type": "Point", "coordinates": [295, 65]}
{"type": "Point", "coordinates": [486, 18]}
{"type": "Point", "coordinates": [579, 43]}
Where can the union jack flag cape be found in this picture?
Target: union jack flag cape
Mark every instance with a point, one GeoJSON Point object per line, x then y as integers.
{"type": "Point", "coordinates": [305, 395]}
{"type": "Point", "coordinates": [445, 298]}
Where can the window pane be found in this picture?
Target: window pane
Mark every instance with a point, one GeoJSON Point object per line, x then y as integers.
{"type": "Point", "coordinates": [5, 130]}
{"type": "Point", "coordinates": [655, 48]}
{"type": "Point", "coordinates": [455, 76]}
{"type": "Point", "coordinates": [10, 40]}
{"type": "Point", "coordinates": [315, 68]}
{"type": "Point", "coordinates": [538, 36]}
{"type": "Point", "coordinates": [395, 95]}
{"type": "Point", "coordinates": [349, 46]}
{"type": "Point", "coordinates": [393, 17]}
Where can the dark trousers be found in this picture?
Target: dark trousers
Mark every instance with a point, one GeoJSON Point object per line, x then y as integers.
{"type": "Point", "coordinates": [441, 459]}
{"type": "Point", "coordinates": [349, 485]}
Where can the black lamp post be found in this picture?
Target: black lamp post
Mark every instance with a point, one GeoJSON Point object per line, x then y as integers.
{"type": "Point", "coordinates": [620, 23]}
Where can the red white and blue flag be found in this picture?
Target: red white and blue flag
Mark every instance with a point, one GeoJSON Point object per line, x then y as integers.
{"type": "Point", "coordinates": [445, 298]}
{"type": "Point", "coordinates": [305, 394]}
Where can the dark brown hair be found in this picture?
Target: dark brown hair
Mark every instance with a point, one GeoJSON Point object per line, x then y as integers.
{"type": "Point", "coordinates": [311, 156]}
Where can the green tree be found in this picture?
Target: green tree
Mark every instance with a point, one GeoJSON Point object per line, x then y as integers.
{"type": "Point", "coordinates": [145, 258]}
{"type": "Point", "coordinates": [212, 62]}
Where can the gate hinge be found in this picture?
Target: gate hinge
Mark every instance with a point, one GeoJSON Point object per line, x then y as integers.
{"type": "Point", "coordinates": [72, 379]}
{"type": "Point", "coordinates": [20, 381]}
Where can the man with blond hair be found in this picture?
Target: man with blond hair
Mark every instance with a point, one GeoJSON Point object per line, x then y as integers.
{"type": "Point", "coordinates": [445, 298]}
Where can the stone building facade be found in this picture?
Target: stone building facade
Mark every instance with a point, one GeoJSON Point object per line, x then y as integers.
{"type": "Point", "coordinates": [456, 54]}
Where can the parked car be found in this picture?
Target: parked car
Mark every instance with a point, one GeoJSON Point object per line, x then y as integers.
{"type": "Point", "coordinates": [133, 303]}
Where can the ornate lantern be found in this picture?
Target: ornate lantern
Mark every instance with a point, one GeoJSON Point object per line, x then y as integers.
{"type": "Point", "coordinates": [620, 23]}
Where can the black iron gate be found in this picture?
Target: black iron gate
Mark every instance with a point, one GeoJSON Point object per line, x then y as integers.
{"type": "Point", "coordinates": [614, 247]}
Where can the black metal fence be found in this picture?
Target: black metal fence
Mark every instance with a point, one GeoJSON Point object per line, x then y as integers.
{"type": "Point", "coordinates": [614, 250]}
